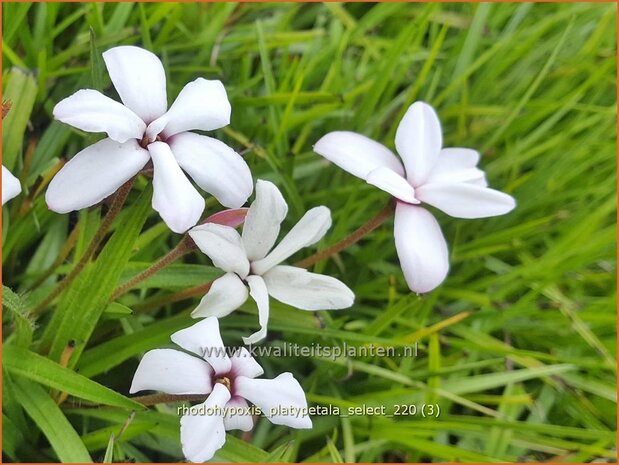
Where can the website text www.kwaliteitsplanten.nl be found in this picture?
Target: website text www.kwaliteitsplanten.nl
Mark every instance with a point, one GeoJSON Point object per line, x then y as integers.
{"type": "Point", "coordinates": [313, 350]}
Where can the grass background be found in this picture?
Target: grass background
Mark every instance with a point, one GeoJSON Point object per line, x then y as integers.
{"type": "Point", "coordinates": [517, 347]}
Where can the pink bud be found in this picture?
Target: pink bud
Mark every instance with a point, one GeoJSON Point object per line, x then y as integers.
{"type": "Point", "coordinates": [232, 217]}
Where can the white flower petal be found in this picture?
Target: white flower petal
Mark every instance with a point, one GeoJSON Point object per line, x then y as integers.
{"type": "Point", "coordinates": [174, 197]}
{"type": "Point", "coordinates": [204, 339]}
{"type": "Point", "coordinates": [478, 180]}
{"type": "Point", "coordinates": [392, 183]}
{"type": "Point", "coordinates": [224, 247]}
{"type": "Point", "coordinates": [421, 247]}
{"type": "Point", "coordinates": [309, 230]}
{"type": "Point", "coordinates": [94, 174]}
{"type": "Point", "coordinates": [173, 372]}
{"type": "Point", "coordinates": [243, 364]}
{"type": "Point", "coordinates": [465, 200]}
{"type": "Point", "coordinates": [357, 154]}
{"type": "Point", "coordinates": [214, 166]}
{"type": "Point", "coordinates": [458, 157]}
{"type": "Point", "coordinates": [10, 185]}
{"type": "Point", "coordinates": [201, 104]}
{"type": "Point", "coordinates": [91, 111]}
{"type": "Point", "coordinates": [258, 291]}
{"type": "Point", "coordinates": [419, 141]}
{"type": "Point", "coordinates": [202, 434]}
{"type": "Point", "coordinates": [263, 220]}
{"type": "Point", "coordinates": [456, 165]}
{"type": "Point", "coordinates": [236, 416]}
{"type": "Point", "coordinates": [307, 291]}
{"type": "Point", "coordinates": [274, 396]}
{"type": "Point", "coordinates": [226, 294]}
{"type": "Point", "coordinates": [139, 78]}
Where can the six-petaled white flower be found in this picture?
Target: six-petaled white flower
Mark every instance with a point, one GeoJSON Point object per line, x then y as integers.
{"type": "Point", "coordinates": [229, 381]}
{"type": "Point", "coordinates": [142, 130]}
{"type": "Point", "coordinates": [10, 185]}
{"type": "Point", "coordinates": [250, 260]}
{"type": "Point", "coordinates": [446, 178]}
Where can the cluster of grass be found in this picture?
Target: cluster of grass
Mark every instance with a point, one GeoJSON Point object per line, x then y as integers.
{"type": "Point", "coordinates": [518, 346]}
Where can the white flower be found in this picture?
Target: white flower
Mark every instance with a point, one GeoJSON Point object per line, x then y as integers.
{"type": "Point", "coordinates": [142, 130]}
{"type": "Point", "coordinates": [10, 185]}
{"type": "Point", "coordinates": [230, 383]}
{"type": "Point", "coordinates": [446, 178]}
{"type": "Point", "coordinates": [247, 260]}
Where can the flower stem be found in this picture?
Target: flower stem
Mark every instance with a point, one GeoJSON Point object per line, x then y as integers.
{"type": "Point", "coordinates": [117, 204]}
{"type": "Point", "coordinates": [185, 246]}
{"type": "Point", "coordinates": [353, 238]}
{"type": "Point", "coordinates": [154, 399]}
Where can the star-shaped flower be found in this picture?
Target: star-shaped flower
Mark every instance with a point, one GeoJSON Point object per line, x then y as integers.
{"type": "Point", "coordinates": [446, 178]}
{"type": "Point", "coordinates": [229, 381]}
{"type": "Point", "coordinates": [10, 185]}
{"type": "Point", "coordinates": [252, 261]}
{"type": "Point", "coordinates": [140, 130]}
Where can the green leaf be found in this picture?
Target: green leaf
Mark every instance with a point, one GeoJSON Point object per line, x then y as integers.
{"type": "Point", "coordinates": [27, 364]}
{"type": "Point", "coordinates": [495, 380]}
{"type": "Point", "coordinates": [86, 302]}
{"type": "Point", "coordinates": [23, 323]}
{"type": "Point", "coordinates": [109, 451]}
{"type": "Point", "coordinates": [335, 455]}
{"type": "Point", "coordinates": [236, 450]}
{"type": "Point", "coordinates": [96, 63]}
{"type": "Point", "coordinates": [51, 421]}
{"type": "Point", "coordinates": [115, 311]}
{"type": "Point", "coordinates": [21, 92]}
{"type": "Point", "coordinates": [175, 276]}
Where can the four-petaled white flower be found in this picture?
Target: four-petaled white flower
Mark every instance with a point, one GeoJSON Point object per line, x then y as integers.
{"type": "Point", "coordinates": [229, 381]}
{"type": "Point", "coordinates": [10, 185]}
{"type": "Point", "coordinates": [142, 130]}
{"type": "Point", "coordinates": [446, 178]}
{"type": "Point", "coordinates": [250, 260]}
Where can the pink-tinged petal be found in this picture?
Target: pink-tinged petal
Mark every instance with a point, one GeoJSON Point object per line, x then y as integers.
{"type": "Point", "coordinates": [202, 429]}
{"type": "Point", "coordinates": [173, 372]}
{"type": "Point", "coordinates": [357, 154]}
{"type": "Point", "coordinates": [456, 165]}
{"type": "Point", "coordinates": [174, 197]}
{"type": "Point", "coordinates": [237, 415]}
{"type": "Point", "coordinates": [421, 248]}
{"type": "Point", "coordinates": [308, 291]}
{"type": "Point", "coordinates": [91, 111]}
{"type": "Point", "coordinates": [223, 245]}
{"type": "Point", "coordinates": [214, 167]}
{"type": "Point", "coordinates": [233, 217]}
{"type": "Point", "coordinates": [309, 230]}
{"type": "Point", "coordinates": [201, 104]}
{"type": "Point", "coordinates": [419, 140]}
{"type": "Point", "coordinates": [243, 364]}
{"type": "Point", "coordinates": [139, 78]}
{"type": "Point", "coordinates": [258, 291]}
{"type": "Point", "coordinates": [281, 400]}
{"type": "Point", "coordinates": [466, 200]}
{"type": "Point", "coordinates": [94, 174]}
{"type": "Point", "coordinates": [264, 218]}
{"type": "Point", "coordinates": [204, 339]}
{"type": "Point", "coordinates": [392, 183]}
{"type": "Point", "coordinates": [225, 295]}
{"type": "Point", "coordinates": [10, 185]}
